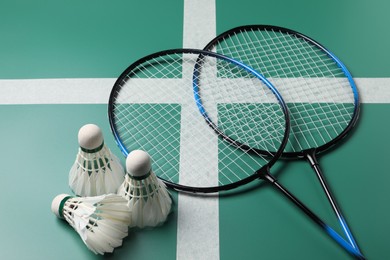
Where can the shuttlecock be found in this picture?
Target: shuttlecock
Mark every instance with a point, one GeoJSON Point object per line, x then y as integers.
{"type": "Point", "coordinates": [101, 221]}
{"type": "Point", "coordinates": [148, 198]}
{"type": "Point", "coordinates": [96, 170]}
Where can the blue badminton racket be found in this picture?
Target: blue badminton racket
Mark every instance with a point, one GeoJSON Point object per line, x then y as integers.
{"type": "Point", "coordinates": [317, 87]}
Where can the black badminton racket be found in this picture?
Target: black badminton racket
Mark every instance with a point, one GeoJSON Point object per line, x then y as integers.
{"type": "Point", "coordinates": [317, 87]}
{"type": "Point", "coordinates": [240, 132]}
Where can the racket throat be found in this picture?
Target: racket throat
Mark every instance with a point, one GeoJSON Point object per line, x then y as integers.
{"type": "Point", "coordinates": [310, 156]}
{"type": "Point", "coordinates": [264, 174]}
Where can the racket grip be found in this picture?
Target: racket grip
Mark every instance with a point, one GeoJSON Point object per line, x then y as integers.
{"type": "Point", "coordinates": [328, 230]}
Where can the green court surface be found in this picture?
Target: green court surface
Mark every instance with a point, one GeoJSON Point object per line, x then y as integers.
{"type": "Point", "coordinates": [98, 40]}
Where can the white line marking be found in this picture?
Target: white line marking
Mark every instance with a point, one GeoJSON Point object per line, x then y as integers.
{"type": "Point", "coordinates": [373, 90]}
{"type": "Point", "coordinates": [55, 91]}
{"type": "Point", "coordinates": [199, 23]}
{"type": "Point", "coordinates": [198, 217]}
{"type": "Point", "coordinates": [97, 90]}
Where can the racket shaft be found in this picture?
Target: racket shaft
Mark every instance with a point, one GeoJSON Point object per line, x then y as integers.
{"type": "Point", "coordinates": [314, 164]}
{"type": "Point", "coordinates": [328, 230]}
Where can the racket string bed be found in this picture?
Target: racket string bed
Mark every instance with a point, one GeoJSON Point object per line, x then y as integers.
{"type": "Point", "coordinates": [307, 78]}
{"type": "Point", "coordinates": [160, 93]}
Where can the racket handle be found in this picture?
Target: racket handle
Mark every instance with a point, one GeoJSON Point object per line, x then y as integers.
{"type": "Point", "coordinates": [328, 230]}
{"type": "Point", "coordinates": [311, 157]}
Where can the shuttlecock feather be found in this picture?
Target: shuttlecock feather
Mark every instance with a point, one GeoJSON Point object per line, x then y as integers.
{"type": "Point", "coordinates": [96, 170]}
{"type": "Point", "coordinates": [101, 221]}
{"type": "Point", "coordinates": [148, 198]}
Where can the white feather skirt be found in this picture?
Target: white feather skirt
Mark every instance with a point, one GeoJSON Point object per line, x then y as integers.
{"type": "Point", "coordinates": [97, 173]}
{"type": "Point", "coordinates": [102, 221]}
{"type": "Point", "coordinates": [148, 200]}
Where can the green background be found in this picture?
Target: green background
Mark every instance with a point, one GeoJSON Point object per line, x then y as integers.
{"type": "Point", "coordinates": [98, 39]}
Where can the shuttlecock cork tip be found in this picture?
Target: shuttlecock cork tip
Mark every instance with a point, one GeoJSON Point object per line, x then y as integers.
{"type": "Point", "coordinates": [90, 137]}
{"type": "Point", "coordinates": [56, 204]}
{"type": "Point", "coordinates": [138, 163]}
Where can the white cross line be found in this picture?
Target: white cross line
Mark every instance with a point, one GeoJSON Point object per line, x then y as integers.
{"type": "Point", "coordinates": [198, 217]}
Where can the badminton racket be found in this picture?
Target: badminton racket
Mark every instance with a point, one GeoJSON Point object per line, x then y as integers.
{"type": "Point", "coordinates": [319, 91]}
{"type": "Point", "coordinates": [210, 123]}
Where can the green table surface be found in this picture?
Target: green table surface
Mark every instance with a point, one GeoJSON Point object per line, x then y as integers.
{"type": "Point", "coordinates": [98, 39]}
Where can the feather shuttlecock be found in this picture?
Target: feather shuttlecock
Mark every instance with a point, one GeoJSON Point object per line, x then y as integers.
{"type": "Point", "coordinates": [148, 198]}
{"type": "Point", "coordinates": [96, 170]}
{"type": "Point", "coordinates": [101, 221]}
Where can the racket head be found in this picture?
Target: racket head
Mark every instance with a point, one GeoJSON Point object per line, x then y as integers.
{"type": "Point", "coordinates": [317, 87]}
{"type": "Point", "coordinates": [176, 104]}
